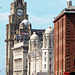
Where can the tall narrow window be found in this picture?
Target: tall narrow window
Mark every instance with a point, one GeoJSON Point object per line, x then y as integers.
{"type": "Point", "coordinates": [45, 66]}
{"type": "Point", "coordinates": [50, 42]}
{"type": "Point", "coordinates": [62, 45]}
{"type": "Point", "coordinates": [34, 43]}
{"type": "Point", "coordinates": [50, 53]}
{"type": "Point", "coordinates": [45, 59]}
{"type": "Point", "coordinates": [50, 59]}
{"type": "Point", "coordinates": [19, 21]}
{"type": "Point", "coordinates": [74, 62]}
{"type": "Point", "coordinates": [45, 53]}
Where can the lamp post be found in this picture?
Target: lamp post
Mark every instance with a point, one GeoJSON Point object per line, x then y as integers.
{"type": "Point", "coordinates": [50, 67]}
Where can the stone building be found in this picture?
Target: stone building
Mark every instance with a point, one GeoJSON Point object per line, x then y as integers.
{"type": "Point", "coordinates": [18, 33]}
{"type": "Point", "coordinates": [64, 40]}
{"type": "Point", "coordinates": [18, 30]}
{"type": "Point", "coordinates": [20, 58]}
{"type": "Point", "coordinates": [41, 58]}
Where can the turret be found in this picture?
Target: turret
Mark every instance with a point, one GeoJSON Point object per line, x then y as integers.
{"type": "Point", "coordinates": [69, 3]}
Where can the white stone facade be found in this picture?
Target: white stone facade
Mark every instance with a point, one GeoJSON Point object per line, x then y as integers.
{"type": "Point", "coordinates": [40, 59]}
{"type": "Point", "coordinates": [19, 59]}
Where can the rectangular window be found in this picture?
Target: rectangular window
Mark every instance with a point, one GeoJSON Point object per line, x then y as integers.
{"type": "Point", "coordinates": [45, 66]}
{"type": "Point", "coordinates": [50, 42]}
{"type": "Point", "coordinates": [45, 59]}
{"type": "Point", "coordinates": [74, 62]}
{"type": "Point", "coordinates": [45, 53]}
{"type": "Point", "coordinates": [50, 59]}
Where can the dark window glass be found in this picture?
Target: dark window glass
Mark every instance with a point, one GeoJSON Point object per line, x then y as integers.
{"type": "Point", "coordinates": [45, 59]}
{"type": "Point", "coordinates": [50, 42]}
{"type": "Point", "coordinates": [74, 62]}
{"type": "Point", "coordinates": [40, 33]}
{"type": "Point", "coordinates": [50, 53]}
{"type": "Point", "coordinates": [26, 28]}
{"type": "Point", "coordinates": [45, 66]}
{"type": "Point", "coordinates": [34, 43]}
{"type": "Point", "coordinates": [40, 37]}
{"type": "Point", "coordinates": [45, 53]}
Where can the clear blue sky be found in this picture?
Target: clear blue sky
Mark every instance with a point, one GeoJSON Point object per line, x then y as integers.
{"type": "Point", "coordinates": [41, 14]}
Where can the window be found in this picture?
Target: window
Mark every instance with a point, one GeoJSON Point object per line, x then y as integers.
{"type": "Point", "coordinates": [45, 59]}
{"type": "Point", "coordinates": [45, 66]}
{"type": "Point", "coordinates": [45, 53]}
{"type": "Point", "coordinates": [53, 41]}
{"type": "Point", "coordinates": [26, 28]}
{"type": "Point", "coordinates": [50, 42]}
{"type": "Point", "coordinates": [26, 66]}
{"type": "Point", "coordinates": [50, 59]}
{"type": "Point", "coordinates": [26, 60]}
{"type": "Point", "coordinates": [50, 53]}
{"type": "Point", "coordinates": [34, 43]}
{"type": "Point", "coordinates": [40, 38]}
{"type": "Point", "coordinates": [74, 62]}
{"type": "Point", "coordinates": [40, 33]}
{"type": "Point", "coordinates": [19, 21]}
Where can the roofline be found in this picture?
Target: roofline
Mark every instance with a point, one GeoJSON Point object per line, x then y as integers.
{"type": "Point", "coordinates": [61, 14]}
{"type": "Point", "coordinates": [38, 29]}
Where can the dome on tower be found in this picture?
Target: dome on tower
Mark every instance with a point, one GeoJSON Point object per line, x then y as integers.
{"type": "Point", "coordinates": [25, 22]}
{"type": "Point", "coordinates": [49, 30]}
{"type": "Point", "coordinates": [34, 36]}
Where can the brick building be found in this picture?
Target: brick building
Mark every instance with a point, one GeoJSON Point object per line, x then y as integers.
{"type": "Point", "coordinates": [64, 40]}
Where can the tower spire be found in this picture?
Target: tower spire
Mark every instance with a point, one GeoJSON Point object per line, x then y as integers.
{"type": "Point", "coordinates": [19, 1]}
{"type": "Point", "coordinates": [69, 3]}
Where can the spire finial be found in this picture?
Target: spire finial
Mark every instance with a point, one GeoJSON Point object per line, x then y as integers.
{"type": "Point", "coordinates": [69, 3]}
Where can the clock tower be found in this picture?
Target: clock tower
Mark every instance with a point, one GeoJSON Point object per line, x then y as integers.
{"type": "Point", "coordinates": [18, 11]}
{"type": "Point", "coordinates": [17, 15]}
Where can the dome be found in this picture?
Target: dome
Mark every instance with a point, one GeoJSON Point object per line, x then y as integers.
{"type": "Point", "coordinates": [49, 30]}
{"type": "Point", "coordinates": [34, 36]}
{"type": "Point", "coordinates": [25, 22]}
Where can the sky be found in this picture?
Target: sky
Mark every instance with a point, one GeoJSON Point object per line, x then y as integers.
{"type": "Point", "coordinates": [41, 15]}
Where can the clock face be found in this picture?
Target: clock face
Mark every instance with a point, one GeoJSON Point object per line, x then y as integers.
{"type": "Point", "coordinates": [19, 12]}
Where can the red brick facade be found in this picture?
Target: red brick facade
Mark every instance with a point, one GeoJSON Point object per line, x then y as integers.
{"type": "Point", "coordinates": [64, 43]}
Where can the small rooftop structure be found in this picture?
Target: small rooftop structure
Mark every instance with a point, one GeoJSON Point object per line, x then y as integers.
{"type": "Point", "coordinates": [25, 22]}
{"type": "Point", "coordinates": [34, 36]}
{"type": "Point", "coordinates": [69, 3]}
{"type": "Point", "coordinates": [49, 30]}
